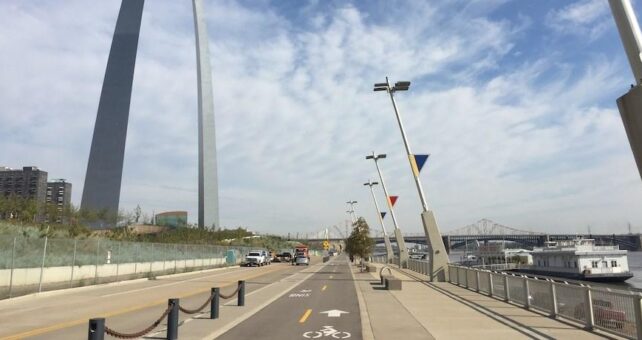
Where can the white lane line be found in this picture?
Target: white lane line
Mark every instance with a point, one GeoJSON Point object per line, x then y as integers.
{"type": "Point", "coordinates": [170, 284]}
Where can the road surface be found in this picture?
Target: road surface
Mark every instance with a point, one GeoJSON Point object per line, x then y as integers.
{"type": "Point", "coordinates": [127, 307]}
{"type": "Point", "coordinates": [324, 306]}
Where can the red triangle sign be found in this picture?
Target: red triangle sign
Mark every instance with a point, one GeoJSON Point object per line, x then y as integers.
{"type": "Point", "coordinates": [393, 200]}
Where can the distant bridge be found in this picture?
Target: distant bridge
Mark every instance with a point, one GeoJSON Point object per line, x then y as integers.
{"type": "Point", "coordinates": [486, 230]}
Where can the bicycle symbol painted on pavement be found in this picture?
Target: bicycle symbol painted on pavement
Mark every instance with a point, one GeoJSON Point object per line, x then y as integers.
{"type": "Point", "coordinates": [326, 331]}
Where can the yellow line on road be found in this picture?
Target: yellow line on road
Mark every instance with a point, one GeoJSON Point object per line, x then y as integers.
{"type": "Point", "coordinates": [324, 287]}
{"type": "Point", "coordinates": [76, 322]}
{"type": "Point", "coordinates": [305, 316]}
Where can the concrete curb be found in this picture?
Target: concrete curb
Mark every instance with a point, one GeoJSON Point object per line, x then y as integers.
{"type": "Point", "coordinates": [366, 328]}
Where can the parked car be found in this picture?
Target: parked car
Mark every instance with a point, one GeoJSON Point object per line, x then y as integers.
{"type": "Point", "coordinates": [266, 256]}
{"type": "Point", "coordinates": [286, 256]}
{"type": "Point", "coordinates": [255, 258]}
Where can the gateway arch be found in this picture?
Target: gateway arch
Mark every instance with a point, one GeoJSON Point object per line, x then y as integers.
{"type": "Point", "coordinates": [105, 166]}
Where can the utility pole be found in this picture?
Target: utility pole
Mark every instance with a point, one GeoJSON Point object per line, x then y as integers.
{"type": "Point", "coordinates": [386, 239]}
{"type": "Point", "coordinates": [438, 257]}
{"type": "Point", "coordinates": [401, 243]}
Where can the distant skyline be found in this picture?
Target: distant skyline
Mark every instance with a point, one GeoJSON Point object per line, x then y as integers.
{"type": "Point", "coordinates": [514, 100]}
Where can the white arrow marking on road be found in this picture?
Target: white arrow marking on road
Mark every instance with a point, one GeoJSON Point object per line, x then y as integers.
{"type": "Point", "coordinates": [335, 313]}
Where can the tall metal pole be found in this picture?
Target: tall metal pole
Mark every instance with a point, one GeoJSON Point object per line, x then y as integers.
{"type": "Point", "coordinates": [386, 239]}
{"type": "Point", "coordinates": [13, 264]}
{"type": "Point", "coordinates": [42, 266]}
{"type": "Point", "coordinates": [351, 211]}
{"type": "Point", "coordinates": [627, 25]}
{"type": "Point", "coordinates": [420, 189]}
{"type": "Point", "coordinates": [630, 104]}
{"type": "Point", "coordinates": [438, 258]}
{"type": "Point", "coordinates": [401, 243]}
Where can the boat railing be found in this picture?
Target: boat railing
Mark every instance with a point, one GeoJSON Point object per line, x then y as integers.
{"type": "Point", "coordinates": [498, 266]}
{"type": "Point", "coordinates": [613, 311]}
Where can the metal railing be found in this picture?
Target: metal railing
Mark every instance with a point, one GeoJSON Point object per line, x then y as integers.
{"type": "Point", "coordinates": [419, 266]}
{"type": "Point", "coordinates": [615, 312]}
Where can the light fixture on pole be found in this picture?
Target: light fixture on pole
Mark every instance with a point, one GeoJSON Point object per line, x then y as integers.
{"type": "Point", "coordinates": [438, 258]}
{"type": "Point", "coordinates": [351, 211]}
{"type": "Point", "coordinates": [386, 239]}
{"type": "Point", "coordinates": [401, 244]}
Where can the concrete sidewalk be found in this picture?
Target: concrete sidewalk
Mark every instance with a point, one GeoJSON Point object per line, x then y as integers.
{"type": "Point", "coordinates": [423, 310]}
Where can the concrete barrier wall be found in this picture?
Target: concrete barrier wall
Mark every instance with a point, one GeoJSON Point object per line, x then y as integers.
{"type": "Point", "coordinates": [31, 276]}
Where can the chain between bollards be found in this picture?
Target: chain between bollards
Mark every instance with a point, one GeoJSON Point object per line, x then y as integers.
{"type": "Point", "coordinates": [241, 296]}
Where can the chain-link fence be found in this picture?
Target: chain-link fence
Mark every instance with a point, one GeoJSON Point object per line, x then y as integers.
{"type": "Point", "coordinates": [30, 265]}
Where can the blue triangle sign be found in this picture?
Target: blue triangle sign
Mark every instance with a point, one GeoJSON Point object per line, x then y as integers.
{"type": "Point", "coordinates": [421, 160]}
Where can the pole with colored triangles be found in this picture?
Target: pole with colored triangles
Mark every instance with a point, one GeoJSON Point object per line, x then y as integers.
{"type": "Point", "coordinates": [386, 239]}
{"type": "Point", "coordinates": [438, 258]}
{"type": "Point", "coordinates": [401, 244]}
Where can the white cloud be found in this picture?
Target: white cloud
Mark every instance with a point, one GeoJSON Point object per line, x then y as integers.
{"type": "Point", "coordinates": [296, 114]}
{"type": "Point", "coordinates": [586, 18]}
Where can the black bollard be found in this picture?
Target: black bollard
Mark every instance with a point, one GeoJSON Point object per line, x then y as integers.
{"type": "Point", "coordinates": [96, 329]}
{"type": "Point", "coordinates": [241, 294]}
{"type": "Point", "coordinates": [172, 319]}
{"type": "Point", "coordinates": [214, 305]}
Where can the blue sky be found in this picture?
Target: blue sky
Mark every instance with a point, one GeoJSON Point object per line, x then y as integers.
{"type": "Point", "coordinates": [514, 100]}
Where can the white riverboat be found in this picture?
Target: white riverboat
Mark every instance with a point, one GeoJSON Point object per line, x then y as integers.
{"type": "Point", "coordinates": [580, 259]}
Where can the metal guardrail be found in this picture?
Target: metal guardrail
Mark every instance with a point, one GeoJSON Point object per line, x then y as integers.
{"type": "Point", "coordinates": [97, 328]}
{"type": "Point", "coordinates": [615, 312]}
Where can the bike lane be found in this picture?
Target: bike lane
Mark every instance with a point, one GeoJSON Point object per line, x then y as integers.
{"type": "Point", "coordinates": [325, 306]}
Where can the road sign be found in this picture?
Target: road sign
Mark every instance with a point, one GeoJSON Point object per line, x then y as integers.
{"type": "Point", "coordinates": [326, 245]}
{"type": "Point", "coordinates": [335, 313]}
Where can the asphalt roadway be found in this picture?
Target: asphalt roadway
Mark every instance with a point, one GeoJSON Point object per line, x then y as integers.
{"type": "Point", "coordinates": [324, 306]}
{"type": "Point", "coordinates": [127, 307]}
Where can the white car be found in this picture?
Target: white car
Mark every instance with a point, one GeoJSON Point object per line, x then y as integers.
{"type": "Point", "coordinates": [266, 256]}
{"type": "Point", "coordinates": [255, 258]}
{"type": "Point", "coordinates": [300, 259]}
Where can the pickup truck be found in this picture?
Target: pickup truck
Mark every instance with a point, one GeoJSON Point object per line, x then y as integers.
{"type": "Point", "coordinates": [255, 258]}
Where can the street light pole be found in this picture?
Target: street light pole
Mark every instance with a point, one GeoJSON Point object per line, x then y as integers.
{"type": "Point", "coordinates": [401, 243]}
{"type": "Point", "coordinates": [438, 258]}
{"type": "Point", "coordinates": [351, 211]}
{"type": "Point", "coordinates": [630, 104]}
{"type": "Point", "coordinates": [386, 239]}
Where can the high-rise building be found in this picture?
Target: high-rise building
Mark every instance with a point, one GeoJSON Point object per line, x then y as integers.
{"type": "Point", "coordinates": [28, 182]}
{"type": "Point", "coordinates": [59, 195]}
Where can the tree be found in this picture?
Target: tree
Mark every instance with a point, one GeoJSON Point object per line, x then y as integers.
{"type": "Point", "coordinates": [137, 213]}
{"type": "Point", "coordinates": [359, 243]}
